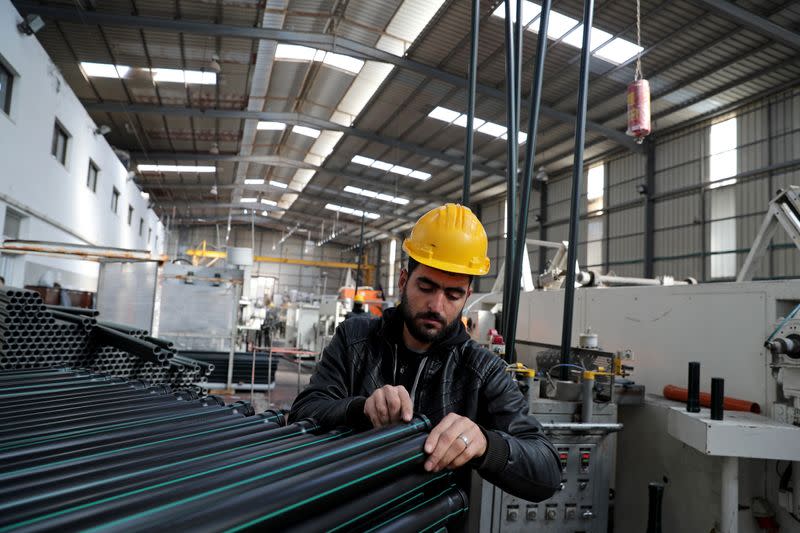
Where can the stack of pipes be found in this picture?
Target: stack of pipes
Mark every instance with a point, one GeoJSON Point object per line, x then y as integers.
{"type": "Point", "coordinates": [35, 335]}
{"type": "Point", "coordinates": [81, 451]}
{"type": "Point", "coordinates": [246, 366]}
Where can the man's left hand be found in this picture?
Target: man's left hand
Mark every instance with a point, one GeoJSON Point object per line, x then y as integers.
{"type": "Point", "coordinates": [455, 441]}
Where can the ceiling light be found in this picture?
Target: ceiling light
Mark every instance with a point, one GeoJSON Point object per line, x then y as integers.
{"type": "Point", "coordinates": [376, 195]}
{"type": "Point", "coordinates": [265, 213]}
{"type": "Point", "coordinates": [177, 168]}
{"type": "Point", "coordinates": [444, 114]}
{"type": "Point", "coordinates": [308, 132]}
{"type": "Point", "coordinates": [492, 129]}
{"type": "Point", "coordinates": [214, 189]}
{"type": "Point", "coordinates": [350, 211]}
{"type": "Point", "coordinates": [403, 171]}
{"type": "Point", "coordinates": [361, 160]}
{"type": "Point", "coordinates": [145, 195]}
{"type": "Point", "coordinates": [381, 165]}
{"type": "Point", "coordinates": [272, 203]}
{"type": "Point", "coordinates": [272, 126]}
{"type": "Point", "coordinates": [172, 75]}
{"type": "Point", "coordinates": [400, 201]}
{"type": "Point", "coordinates": [254, 181]}
{"type": "Point", "coordinates": [351, 189]}
{"type": "Point", "coordinates": [419, 175]}
{"type": "Point", "coordinates": [104, 70]}
{"type": "Point", "coordinates": [278, 184]}
{"type": "Point", "coordinates": [246, 200]}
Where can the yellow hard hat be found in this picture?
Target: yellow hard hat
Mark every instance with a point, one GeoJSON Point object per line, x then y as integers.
{"type": "Point", "coordinates": [449, 238]}
{"type": "Point", "coordinates": [359, 299]}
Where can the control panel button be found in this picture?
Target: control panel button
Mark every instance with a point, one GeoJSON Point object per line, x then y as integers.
{"type": "Point", "coordinates": [563, 456]}
{"type": "Point", "coordinates": [531, 513]}
{"type": "Point", "coordinates": [583, 483]}
{"type": "Point", "coordinates": [585, 458]}
{"type": "Point", "coordinates": [570, 512]}
{"type": "Point", "coordinates": [551, 512]}
{"type": "Point", "coordinates": [512, 513]}
{"type": "Point", "coordinates": [587, 513]}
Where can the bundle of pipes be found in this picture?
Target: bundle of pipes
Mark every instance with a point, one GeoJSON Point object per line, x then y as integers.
{"type": "Point", "coordinates": [35, 335]}
{"type": "Point", "coordinates": [243, 369]}
{"type": "Point", "coordinates": [79, 451]}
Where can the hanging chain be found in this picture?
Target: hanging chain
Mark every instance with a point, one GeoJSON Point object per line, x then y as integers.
{"type": "Point", "coordinates": [637, 75]}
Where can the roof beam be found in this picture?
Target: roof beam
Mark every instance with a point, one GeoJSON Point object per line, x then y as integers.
{"type": "Point", "coordinates": [326, 42]}
{"type": "Point", "coordinates": [752, 21]}
{"type": "Point", "coordinates": [287, 118]}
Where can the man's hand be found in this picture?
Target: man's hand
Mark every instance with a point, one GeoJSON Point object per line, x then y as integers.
{"type": "Point", "coordinates": [389, 405]}
{"type": "Point", "coordinates": [453, 442]}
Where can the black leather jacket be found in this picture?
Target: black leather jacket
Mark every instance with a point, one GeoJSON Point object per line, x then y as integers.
{"type": "Point", "coordinates": [457, 376]}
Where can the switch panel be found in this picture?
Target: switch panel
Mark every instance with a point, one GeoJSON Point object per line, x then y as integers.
{"type": "Point", "coordinates": [512, 513]}
{"type": "Point", "coordinates": [585, 457]}
{"type": "Point", "coordinates": [531, 512]}
{"type": "Point", "coordinates": [551, 512]}
{"type": "Point", "coordinates": [563, 456]}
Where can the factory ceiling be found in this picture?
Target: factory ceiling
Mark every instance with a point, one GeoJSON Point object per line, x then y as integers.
{"type": "Point", "coordinates": [309, 112]}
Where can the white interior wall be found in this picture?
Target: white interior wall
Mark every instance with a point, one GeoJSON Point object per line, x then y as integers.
{"type": "Point", "coordinates": [54, 198]}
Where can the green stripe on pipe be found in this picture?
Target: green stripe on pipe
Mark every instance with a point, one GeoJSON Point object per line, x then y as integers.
{"type": "Point", "coordinates": [321, 495]}
{"type": "Point", "coordinates": [55, 514]}
{"type": "Point", "coordinates": [362, 515]}
{"type": "Point", "coordinates": [190, 499]}
{"type": "Point", "coordinates": [444, 519]}
{"type": "Point", "coordinates": [101, 429]}
{"type": "Point", "coordinates": [421, 504]}
{"type": "Point", "coordinates": [143, 445]}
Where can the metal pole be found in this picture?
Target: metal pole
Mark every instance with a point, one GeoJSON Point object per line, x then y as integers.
{"type": "Point", "coordinates": [269, 374]}
{"type": "Point", "coordinates": [360, 255]}
{"type": "Point", "coordinates": [729, 504]}
{"type": "Point", "coordinates": [473, 81]}
{"type": "Point", "coordinates": [511, 152]}
{"type": "Point", "coordinates": [577, 174]}
{"type": "Point", "coordinates": [649, 211]}
{"type": "Point", "coordinates": [527, 180]}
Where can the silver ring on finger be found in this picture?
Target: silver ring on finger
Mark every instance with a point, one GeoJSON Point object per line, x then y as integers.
{"type": "Point", "coordinates": [465, 440]}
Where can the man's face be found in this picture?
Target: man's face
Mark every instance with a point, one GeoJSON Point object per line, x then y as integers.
{"type": "Point", "coordinates": [432, 301]}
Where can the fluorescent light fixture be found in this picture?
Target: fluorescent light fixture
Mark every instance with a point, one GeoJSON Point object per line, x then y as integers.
{"type": "Point", "coordinates": [403, 171]}
{"type": "Point", "coordinates": [379, 196]}
{"type": "Point", "coordinates": [294, 52]}
{"type": "Point", "coordinates": [254, 181]}
{"type": "Point", "coordinates": [176, 168]}
{"type": "Point", "coordinates": [278, 184]}
{"type": "Point", "coordinates": [172, 75]}
{"type": "Point", "coordinates": [419, 175]}
{"type": "Point", "coordinates": [382, 165]}
{"type": "Point", "coordinates": [272, 203]}
{"type": "Point", "coordinates": [264, 213]}
{"type": "Point", "coordinates": [361, 160]}
{"type": "Point", "coordinates": [145, 195]}
{"type": "Point", "coordinates": [444, 114]}
{"type": "Point", "coordinates": [246, 200]}
{"type": "Point", "coordinates": [307, 132]}
{"type": "Point", "coordinates": [244, 211]}
{"type": "Point", "coordinates": [104, 70]}
{"type": "Point", "coordinates": [350, 211]}
{"type": "Point", "coordinates": [617, 50]}
{"type": "Point", "coordinates": [270, 126]}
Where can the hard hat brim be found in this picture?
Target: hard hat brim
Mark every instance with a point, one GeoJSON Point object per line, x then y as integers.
{"type": "Point", "coordinates": [445, 266]}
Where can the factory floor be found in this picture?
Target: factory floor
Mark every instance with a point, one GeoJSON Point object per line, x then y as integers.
{"type": "Point", "coordinates": [280, 397]}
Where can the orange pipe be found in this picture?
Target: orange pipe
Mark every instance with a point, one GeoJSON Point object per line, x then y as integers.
{"type": "Point", "coordinates": [679, 394]}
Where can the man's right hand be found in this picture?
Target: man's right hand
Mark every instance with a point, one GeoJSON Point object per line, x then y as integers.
{"type": "Point", "coordinates": [389, 405]}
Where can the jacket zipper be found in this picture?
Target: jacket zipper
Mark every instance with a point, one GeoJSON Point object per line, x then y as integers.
{"type": "Point", "coordinates": [416, 380]}
{"type": "Point", "coordinates": [394, 375]}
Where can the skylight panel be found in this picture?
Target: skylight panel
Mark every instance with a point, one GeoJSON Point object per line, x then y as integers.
{"type": "Point", "coordinates": [248, 200]}
{"type": "Point", "coordinates": [492, 129]}
{"type": "Point", "coordinates": [308, 132]}
{"type": "Point", "coordinates": [618, 51]}
{"type": "Point", "coordinates": [271, 126]}
{"type": "Point", "coordinates": [254, 181]}
{"type": "Point", "coordinates": [104, 70]}
{"type": "Point", "coordinates": [350, 64]}
{"type": "Point", "coordinates": [272, 203]}
{"type": "Point", "coordinates": [278, 184]}
{"type": "Point", "coordinates": [419, 175]}
{"type": "Point", "coordinates": [558, 25]}
{"type": "Point", "coordinates": [176, 168]}
{"type": "Point", "coordinates": [361, 160]}
{"type": "Point", "coordinates": [172, 75]}
{"type": "Point", "coordinates": [351, 189]}
{"type": "Point", "coordinates": [462, 121]}
{"type": "Point", "coordinates": [403, 171]}
{"type": "Point", "coordinates": [444, 114]}
{"type": "Point", "coordinates": [381, 165]}
{"type": "Point", "coordinates": [294, 52]}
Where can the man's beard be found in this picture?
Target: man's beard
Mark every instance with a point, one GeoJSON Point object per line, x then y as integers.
{"type": "Point", "coordinates": [421, 334]}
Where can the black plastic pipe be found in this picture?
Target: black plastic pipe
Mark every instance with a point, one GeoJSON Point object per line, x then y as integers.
{"type": "Point", "coordinates": [471, 89]}
{"type": "Point", "coordinates": [717, 398]}
{"type": "Point", "coordinates": [430, 514]}
{"type": "Point", "coordinates": [577, 175]}
{"type": "Point", "coordinates": [73, 310]}
{"type": "Point", "coordinates": [511, 163]}
{"type": "Point", "coordinates": [130, 344]}
{"type": "Point", "coordinates": [655, 494]}
{"type": "Point", "coordinates": [535, 101]}
{"type": "Point", "coordinates": [693, 387]}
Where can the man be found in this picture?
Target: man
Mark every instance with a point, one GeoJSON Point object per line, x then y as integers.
{"type": "Point", "coordinates": [358, 308]}
{"type": "Point", "coordinates": [418, 357]}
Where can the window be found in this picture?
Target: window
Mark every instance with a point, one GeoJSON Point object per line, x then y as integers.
{"type": "Point", "coordinates": [722, 165]}
{"type": "Point", "coordinates": [130, 214]}
{"type": "Point", "coordinates": [392, 265]}
{"type": "Point", "coordinates": [6, 82]}
{"type": "Point", "coordinates": [91, 178]}
{"type": "Point", "coordinates": [114, 200]}
{"type": "Point", "coordinates": [12, 224]}
{"type": "Point", "coordinates": [59, 148]}
{"type": "Point", "coordinates": [141, 226]}
{"type": "Point", "coordinates": [149, 234]}
{"type": "Point", "coordinates": [595, 187]}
